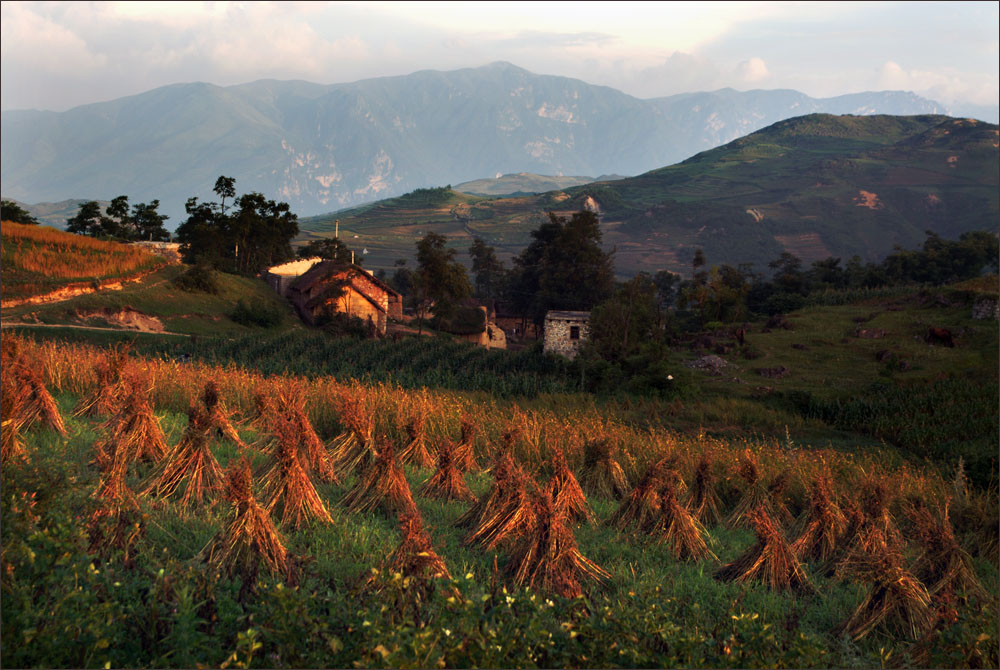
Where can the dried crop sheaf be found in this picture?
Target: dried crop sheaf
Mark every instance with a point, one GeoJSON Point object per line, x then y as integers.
{"type": "Point", "coordinates": [503, 469]}
{"type": "Point", "coordinates": [547, 557]}
{"type": "Point", "coordinates": [382, 485]}
{"type": "Point", "coordinates": [770, 560]}
{"type": "Point", "coordinates": [566, 491]}
{"type": "Point", "coordinates": [704, 496]}
{"type": "Point", "coordinates": [896, 601]}
{"type": "Point", "coordinates": [944, 566]}
{"type": "Point", "coordinates": [601, 474]}
{"type": "Point", "coordinates": [465, 454]}
{"type": "Point", "coordinates": [287, 486]}
{"type": "Point", "coordinates": [824, 523]}
{"type": "Point", "coordinates": [313, 455]}
{"type": "Point", "coordinates": [102, 400]}
{"type": "Point", "coordinates": [354, 449]}
{"type": "Point", "coordinates": [759, 494]}
{"type": "Point", "coordinates": [218, 417]}
{"type": "Point", "coordinates": [133, 433]}
{"type": "Point", "coordinates": [506, 513]}
{"type": "Point", "coordinates": [642, 505]}
{"type": "Point", "coordinates": [415, 555]}
{"type": "Point", "coordinates": [31, 401]}
{"type": "Point", "coordinates": [249, 537]}
{"type": "Point", "coordinates": [12, 447]}
{"type": "Point", "coordinates": [870, 527]}
{"type": "Point", "coordinates": [116, 523]}
{"type": "Point", "coordinates": [447, 482]}
{"type": "Point", "coordinates": [678, 528]}
{"type": "Point", "coordinates": [416, 451]}
{"type": "Point", "coordinates": [190, 463]}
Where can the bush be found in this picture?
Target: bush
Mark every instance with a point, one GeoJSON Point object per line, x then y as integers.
{"type": "Point", "coordinates": [198, 279]}
{"type": "Point", "coordinates": [257, 313]}
{"type": "Point", "coordinates": [783, 303]}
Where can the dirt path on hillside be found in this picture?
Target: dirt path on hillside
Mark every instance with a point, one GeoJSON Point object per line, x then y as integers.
{"type": "Point", "coordinates": [7, 324]}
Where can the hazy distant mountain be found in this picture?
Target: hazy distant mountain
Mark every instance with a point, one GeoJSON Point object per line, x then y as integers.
{"type": "Point", "coordinates": [321, 148]}
{"type": "Point", "coordinates": [55, 213]}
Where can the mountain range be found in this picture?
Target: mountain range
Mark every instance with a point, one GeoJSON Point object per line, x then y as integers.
{"type": "Point", "coordinates": [326, 147]}
{"type": "Point", "coordinates": [818, 185]}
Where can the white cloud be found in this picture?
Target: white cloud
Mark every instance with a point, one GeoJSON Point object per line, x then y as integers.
{"type": "Point", "coordinates": [753, 71]}
{"type": "Point", "coordinates": [50, 47]}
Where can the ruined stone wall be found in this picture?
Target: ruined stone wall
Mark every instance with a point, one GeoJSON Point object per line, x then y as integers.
{"type": "Point", "coordinates": [986, 308]}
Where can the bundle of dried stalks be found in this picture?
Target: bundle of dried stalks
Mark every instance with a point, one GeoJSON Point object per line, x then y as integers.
{"type": "Point", "coordinates": [506, 473]}
{"type": "Point", "coordinates": [294, 423]}
{"type": "Point", "coordinates": [678, 528]}
{"type": "Point", "coordinates": [823, 526]}
{"type": "Point", "coordinates": [759, 494]}
{"type": "Point", "coordinates": [133, 433]}
{"type": "Point", "coordinates": [265, 409]}
{"type": "Point", "coordinates": [566, 491]}
{"type": "Point", "coordinates": [31, 401]}
{"type": "Point", "coordinates": [381, 485]}
{"type": "Point", "coordinates": [896, 601]}
{"type": "Point", "coordinates": [642, 505]}
{"type": "Point", "coordinates": [547, 558]}
{"type": "Point", "coordinates": [415, 555]}
{"type": "Point", "coordinates": [771, 560]}
{"type": "Point", "coordinates": [190, 463]}
{"type": "Point", "coordinates": [601, 475]}
{"type": "Point", "coordinates": [218, 416]}
{"type": "Point", "coordinates": [944, 566]}
{"type": "Point", "coordinates": [704, 496]}
{"type": "Point", "coordinates": [465, 454]}
{"type": "Point", "coordinates": [12, 447]}
{"type": "Point", "coordinates": [287, 487]}
{"type": "Point", "coordinates": [249, 536]}
{"type": "Point", "coordinates": [416, 451]}
{"type": "Point", "coordinates": [870, 527]}
{"type": "Point", "coordinates": [354, 449]}
{"type": "Point", "coordinates": [103, 399]}
{"type": "Point", "coordinates": [446, 483]}
{"type": "Point", "coordinates": [507, 515]}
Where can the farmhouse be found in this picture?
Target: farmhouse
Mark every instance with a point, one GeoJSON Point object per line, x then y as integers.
{"type": "Point", "coordinates": [345, 288]}
{"type": "Point", "coordinates": [565, 332]}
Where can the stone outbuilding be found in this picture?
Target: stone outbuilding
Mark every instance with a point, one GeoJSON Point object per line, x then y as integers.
{"type": "Point", "coordinates": [347, 289]}
{"type": "Point", "coordinates": [565, 332]}
{"type": "Point", "coordinates": [281, 277]}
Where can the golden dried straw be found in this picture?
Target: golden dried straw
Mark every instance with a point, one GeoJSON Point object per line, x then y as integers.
{"type": "Point", "coordinates": [566, 491]}
{"type": "Point", "coordinates": [676, 527]}
{"type": "Point", "coordinates": [769, 561]}
{"type": "Point", "coordinates": [190, 463]}
{"type": "Point", "coordinates": [601, 474]}
{"type": "Point", "coordinates": [642, 505]}
{"type": "Point", "coordinates": [416, 451]}
{"type": "Point", "coordinates": [465, 454]}
{"type": "Point", "coordinates": [288, 489]}
{"type": "Point", "coordinates": [704, 496]}
{"type": "Point", "coordinates": [824, 523]}
{"type": "Point", "coordinates": [447, 482]}
{"type": "Point", "coordinates": [381, 486]}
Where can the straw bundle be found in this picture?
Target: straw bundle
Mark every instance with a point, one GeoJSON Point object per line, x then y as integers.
{"type": "Point", "coordinates": [415, 555]}
{"type": "Point", "coordinates": [313, 455]}
{"type": "Point", "coordinates": [103, 399]}
{"type": "Point", "coordinates": [287, 486]}
{"type": "Point", "coordinates": [870, 527]}
{"type": "Point", "coordinates": [759, 494]}
{"type": "Point", "coordinates": [134, 432]}
{"type": "Point", "coordinates": [770, 561]}
{"type": "Point", "coordinates": [31, 401]}
{"type": "Point", "coordinates": [824, 523]}
{"type": "Point", "coordinates": [354, 449]}
{"type": "Point", "coordinates": [12, 447]}
{"type": "Point", "coordinates": [897, 601]}
{"type": "Point", "coordinates": [416, 451]}
{"type": "Point", "coordinates": [218, 416]}
{"type": "Point", "coordinates": [943, 565]}
{"type": "Point", "coordinates": [704, 496]}
{"type": "Point", "coordinates": [642, 506]}
{"type": "Point", "coordinates": [504, 468]}
{"type": "Point", "coordinates": [506, 515]}
{"type": "Point", "coordinates": [547, 558]}
{"type": "Point", "coordinates": [678, 528]}
{"type": "Point", "coordinates": [446, 483]}
{"type": "Point", "coordinates": [601, 474]}
{"type": "Point", "coordinates": [465, 456]}
{"type": "Point", "coordinates": [249, 537]}
{"type": "Point", "coordinates": [566, 491]}
{"type": "Point", "coordinates": [190, 462]}
{"type": "Point", "coordinates": [382, 485]}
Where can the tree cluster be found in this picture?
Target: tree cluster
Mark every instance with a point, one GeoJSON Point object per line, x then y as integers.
{"type": "Point", "coordinates": [11, 211]}
{"type": "Point", "coordinates": [120, 222]}
{"type": "Point", "coordinates": [251, 234]}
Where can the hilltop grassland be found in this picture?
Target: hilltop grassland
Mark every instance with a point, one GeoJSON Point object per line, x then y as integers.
{"type": "Point", "coordinates": [39, 260]}
{"type": "Point", "coordinates": [144, 582]}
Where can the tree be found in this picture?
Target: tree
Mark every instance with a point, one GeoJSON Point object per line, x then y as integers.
{"type": "Point", "coordinates": [87, 220]}
{"type": "Point", "coordinates": [564, 267]}
{"type": "Point", "coordinates": [225, 187]}
{"type": "Point", "coordinates": [117, 223]}
{"type": "Point", "coordinates": [439, 278]}
{"type": "Point", "coordinates": [330, 248]}
{"type": "Point", "coordinates": [147, 222]}
{"type": "Point", "coordinates": [488, 270]}
{"type": "Point", "coordinates": [621, 325]}
{"type": "Point", "coordinates": [203, 236]}
{"type": "Point", "coordinates": [11, 211]}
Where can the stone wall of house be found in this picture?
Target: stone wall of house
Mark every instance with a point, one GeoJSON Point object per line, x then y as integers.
{"type": "Point", "coordinates": [558, 338]}
{"type": "Point", "coordinates": [986, 308]}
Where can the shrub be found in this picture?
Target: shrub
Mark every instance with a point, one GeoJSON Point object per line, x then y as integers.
{"type": "Point", "coordinates": [198, 279]}
{"type": "Point", "coordinates": [256, 314]}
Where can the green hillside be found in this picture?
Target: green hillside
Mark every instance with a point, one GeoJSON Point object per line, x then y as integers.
{"type": "Point", "coordinates": [815, 185]}
{"type": "Point", "coordinates": [525, 183]}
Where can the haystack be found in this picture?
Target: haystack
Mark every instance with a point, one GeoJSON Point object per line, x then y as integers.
{"type": "Point", "coordinates": [566, 491]}
{"type": "Point", "coordinates": [249, 536]}
{"type": "Point", "coordinates": [313, 454]}
{"type": "Point", "coordinates": [133, 433]}
{"type": "Point", "coordinates": [354, 449]}
{"type": "Point", "coordinates": [416, 451]}
{"type": "Point", "coordinates": [506, 473]}
{"type": "Point", "coordinates": [12, 447]}
{"type": "Point", "coordinates": [704, 495]}
{"type": "Point", "coordinates": [870, 527]}
{"type": "Point", "coordinates": [415, 555]}
{"type": "Point", "coordinates": [190, 463]}
{"type": "Point", "coordinates": [218, 416]}
{"type": "Point", "coordinates": [601, 474]}
{"type": "Point", "coordinates": [506, 514]}
{"type": "Point", "coordinates": [897, 601]}
{"type": "Point", "coordinates": [678, 528]}
{"type": "Point", "coordinates": [823, 526]}
{"type": "Point", "coordinates": [759, 494]}
{"type": "Point", "coordinates": [547, 558]}
{"type": "Point", "coordinates": [447, 482]}
{"type": "Point", "coordinates": [465, 453]}
{"type": "Point", "coordinates": [102, 400]}
{"type": "Point", "coordinates": [382, 485]}
{"type": "Point", "coordinates": [770, 561]}
{"type": "Point", "coordinates": [642, 505]}
{"type": "Point", "coordinates": [32, 402]}
{"type": "Point", "coordinates": [944, 566]}
{"type": "Point", "coordinates": [288, 489]}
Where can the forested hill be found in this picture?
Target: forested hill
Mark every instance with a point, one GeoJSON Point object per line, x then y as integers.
{"type": "Point", "coordinates": [816, 185]}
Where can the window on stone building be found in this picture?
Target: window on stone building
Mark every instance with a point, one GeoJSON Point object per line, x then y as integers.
{"type": "Point", "coordinates": [574, 332]}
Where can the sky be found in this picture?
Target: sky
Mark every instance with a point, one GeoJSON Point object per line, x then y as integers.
{"type": "Point", "coordinates": [56, 55]}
